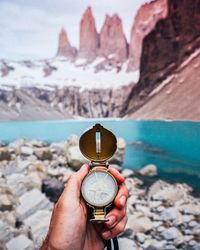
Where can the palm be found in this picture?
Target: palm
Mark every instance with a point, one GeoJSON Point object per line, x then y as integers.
{"type": "Point", "coordinates": [93, 240]}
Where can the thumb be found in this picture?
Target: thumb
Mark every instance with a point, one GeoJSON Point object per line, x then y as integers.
{"type": "Point", "coordinates": [75, 181]}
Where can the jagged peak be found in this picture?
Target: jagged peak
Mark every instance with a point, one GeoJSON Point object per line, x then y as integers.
{"type": "Point", "coordinates": [88, 13]}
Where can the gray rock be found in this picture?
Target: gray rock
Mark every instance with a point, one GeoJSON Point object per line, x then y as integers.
{"type": "Point", "coordinates": [4, 154]}
{"type": "Point", "coordinates": [139, 223]}
{"type": "Point", "coordinates": [161, 229]}
{"type": "Point", "coordinates": [74, 157]}
{"type": "Point", "coordinates": [59, 147]}
{"type": "Point", "coordinates": [140, 237]}
{"type": "Point", "coordinates": [192, 223]}
{"type": "Point", "coordinates": [53, 188]}
{"type": "Point", "coordinates": [39, 224]}
{"type": "Point", "coordinates": [169, 214]}
{"type": "Point", "coordinates": [174, 234]}
{"type": "Point", "coordinates": [163, 191]}
{"type": "Point", "coordinates": [9, 217]}
{"type": "Point", "coordinates": [31, 202]}
{"type": "Point", "coordinates": [196, 229]}
{"type": "Point", "coordinates": [125, 244]}
{"type": "Point", "coordinates": [118, 157]}
{"type": "Point", "coordinates": [6, 232]}
{"type": "Point", "coordinates": [7, 200]}
{"type": "Point", "coordinates": [20, 183]}
{"type": "Point", "coordinates": [43, 153]}
{"type": "Point", "coordinates": [149, 170]}
{"type": "Point", "coordinates": [26, 150]}
{"type": "Point", "coordinates": [72, 140]}
{"type": "Point", "coordinates": [127, 172]}
{"type": "Point", "coordinates": [20, 242]}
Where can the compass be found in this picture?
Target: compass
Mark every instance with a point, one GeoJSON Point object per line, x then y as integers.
{"type": "Point", "coordinates": [99, 187]}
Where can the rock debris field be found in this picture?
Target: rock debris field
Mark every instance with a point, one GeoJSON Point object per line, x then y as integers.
{"type": "Point", "coordinates": [33, 173]}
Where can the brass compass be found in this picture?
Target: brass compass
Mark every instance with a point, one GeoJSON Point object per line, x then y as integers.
{"type": "Point", "coordinates": [99, 187]}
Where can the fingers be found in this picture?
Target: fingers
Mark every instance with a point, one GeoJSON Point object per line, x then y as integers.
{"type": "Point", "coordinates": [115, 216]}
{"type": "Point", "coordinates": [73, 185]}
{"type": "Point", "coordinates": [119, 228]}
{"type": "Point", "coordinates": [121, 197]}
{"type": "Point", "coordinates": [120, 179]}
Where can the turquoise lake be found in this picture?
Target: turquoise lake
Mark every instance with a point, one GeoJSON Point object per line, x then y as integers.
{"type": "Point", "coordinates": [174, 147]}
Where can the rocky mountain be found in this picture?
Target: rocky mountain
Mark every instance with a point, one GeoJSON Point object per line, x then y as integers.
{"type": "Point", "coordinates": [64, 47]}
{"type": "Point", "coordinates": [113, 42]}
{"type": "Point", "coordinates": [178, 97]}
{"type": "Point", "coordinates": [171, 42]}
{"type": "Point", "coordinates": [89, 38]}
{"type": "Point", "coordinates": [162, 43]}
{"type": "Point", "coordinates": [145, 20]}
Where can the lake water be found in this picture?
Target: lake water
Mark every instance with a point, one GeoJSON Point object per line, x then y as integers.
{"type": "Point", "coordinates": [174, 147]}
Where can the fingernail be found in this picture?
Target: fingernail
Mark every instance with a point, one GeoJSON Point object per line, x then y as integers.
{"type": "Point", "coordinates": [106, 234]}
{"type": "Point", "coordinates": [112, 220]}
{"type": "Point", "coordinates": [122, 200]}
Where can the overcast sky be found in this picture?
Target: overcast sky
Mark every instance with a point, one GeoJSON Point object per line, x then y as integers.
{"type": "Point", "coordinates": [29, 28]}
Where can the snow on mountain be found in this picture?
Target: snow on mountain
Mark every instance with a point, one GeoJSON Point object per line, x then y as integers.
{"type": "Point", "coordinates": [61, 72]}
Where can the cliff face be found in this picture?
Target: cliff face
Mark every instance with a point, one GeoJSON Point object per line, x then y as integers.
{"type": "Point", "coordinates": [112, 39]}
{"type": "Point", "coordinates": [89, 38]}
{"type": "Point", "coordinates": [64, 47]}
{"type": "Point", "coordinates": [145, 20]}
{"type": "Point", "coordinates": [34, 103]}
{"type": "Point", "coordinates": [165, 48]}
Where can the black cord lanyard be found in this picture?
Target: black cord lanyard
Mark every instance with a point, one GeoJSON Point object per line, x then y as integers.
{"type": "Point", "coordinates": [115, 244]}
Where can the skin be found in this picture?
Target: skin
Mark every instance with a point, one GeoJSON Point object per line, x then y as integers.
{"type": "Point", "coordinates": [70, 228]}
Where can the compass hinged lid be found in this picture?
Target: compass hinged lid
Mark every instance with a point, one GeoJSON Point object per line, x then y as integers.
{"type": "Point", "coordinates": [98, 144]}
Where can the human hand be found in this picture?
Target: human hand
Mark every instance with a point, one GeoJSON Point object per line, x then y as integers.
{"type": "Point", "coordinates": [70, 228]}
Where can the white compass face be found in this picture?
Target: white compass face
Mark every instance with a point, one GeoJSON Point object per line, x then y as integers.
{"type": "Point", "coordinates": [99, 188]}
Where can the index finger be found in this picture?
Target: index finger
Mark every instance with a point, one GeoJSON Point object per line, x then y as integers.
{"type": "Point", "coordinates": [119, 178]}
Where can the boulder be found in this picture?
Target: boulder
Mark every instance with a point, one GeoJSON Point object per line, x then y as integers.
{"type": "Point", "coordinates": [118, 157]}
{"type": "Point", "coordinates": [9, 217]}
{"type": "Point", "coordinates": [161, 190]}
{"type": "Point", "coordinates": [169, 214]}
{"type": "Point", "coordinates": [53, 188]}
{"type": "Point", "coordinates": [26, 150]}
{"type": "Point", "coordinates": [75, 158]}
{"type": "Point", "coordinates": [39, 225]}
{"type": "Point", "coordinates": [20, 183]}
{"type": "Point", "coordinates": [126, 244]}
{"type": "Point", "coordinates": [6, 232]}
{"type": "Point", "coordinates": [43, 153]}
{"type": "Point", "coordinates": [149, 170]}
{"type": "Point", "coordinates": [32, 201]}
{"type": "Point", "coordinates": [127, 173]}
{"type": "Point", "coordinates": [174, 234]}
{"type": "Point", "coordinates": [7, 200]}
{"type": "Point", "coordinates": [59, 147]}
{"type": "Point", "coordinates": [4, 154]}
{"type": "Point", "coordinates": [20, 242]}
{"type": "Point", "coordinates": [139, 223]}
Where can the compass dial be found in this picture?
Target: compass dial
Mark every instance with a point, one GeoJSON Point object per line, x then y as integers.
{"type": "Point", "coordinates": [99, 188]}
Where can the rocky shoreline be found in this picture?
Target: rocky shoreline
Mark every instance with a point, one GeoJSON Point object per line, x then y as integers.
{"type": "Point", "coordinates": [33, 174]}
